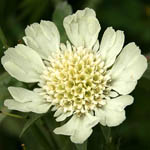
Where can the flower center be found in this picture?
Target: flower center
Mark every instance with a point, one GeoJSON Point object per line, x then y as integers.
{"type": "Point", "coordinates": [76, 80]}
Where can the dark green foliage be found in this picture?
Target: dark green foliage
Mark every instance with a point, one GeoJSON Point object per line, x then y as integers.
{"type": "Point", "coordinates": [61, 11]}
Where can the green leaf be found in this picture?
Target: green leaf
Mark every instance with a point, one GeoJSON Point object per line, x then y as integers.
{"type": "Point", "coordinates": [5, 81]}
{"type": "Point", "coordinates": [11, 125]}
{"type": "Point", "coordinates": [3, 39]}
{"type": "Point", "coordinates": [62, 10]}
{"type": "Point", "coordinates": [2, 116]}
{"type": "Point", "coordinates": [58, 140]}
{"type": "Point", "coordinates": [93, 3]}
{"type": "Point", "coordinates": [35, 139]}
{"type": "Point", "coordinates": [29, 123]}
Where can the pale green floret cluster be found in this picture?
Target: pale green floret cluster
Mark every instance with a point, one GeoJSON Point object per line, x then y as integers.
{"type": "Point", "coordinates": [76, 80]}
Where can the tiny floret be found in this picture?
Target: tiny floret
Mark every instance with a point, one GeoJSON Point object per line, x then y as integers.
{"type": "Point", "coordinates": [76, 80]}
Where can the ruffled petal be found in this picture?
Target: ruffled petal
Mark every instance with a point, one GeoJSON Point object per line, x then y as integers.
{"type": "Point", "coordinates": [111, 45]}
{"type": "Point", "coordinates": [113, 113]}
{"type": "Point", "coordinates": [63, 116]}
{"type": "Point", "coordinates": [26, 101]}
{"type": "Point", "coordinates": [23, 95]}
{"type": "Point", "coordinates": [96, 46]}
{"type": "Point", "coordinates": [43, 38]}
{"type": "Point", "coordinates": [79, 128]}
{"type": "Point", "coordinates": [82, 28]}
{"type": "Point", "coordinates": [128, 68]}
{"type": "Point", "coordinates": [23, 63]}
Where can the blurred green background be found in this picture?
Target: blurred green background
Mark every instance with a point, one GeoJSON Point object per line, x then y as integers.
{"type": "Point", "coordinates": [131, 16]}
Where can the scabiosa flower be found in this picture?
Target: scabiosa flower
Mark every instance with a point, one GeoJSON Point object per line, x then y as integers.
{"type": "Point", "coordinates": [83, 80]}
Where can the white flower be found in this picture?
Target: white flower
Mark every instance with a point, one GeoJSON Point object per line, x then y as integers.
{"type": "Point", "coordinates": [86, 81]}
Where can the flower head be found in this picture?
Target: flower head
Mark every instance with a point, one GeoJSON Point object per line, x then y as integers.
{"type": "Point", "coordinates": [84, 80]}
{"type": "Point", "coordinates": [75, 80]}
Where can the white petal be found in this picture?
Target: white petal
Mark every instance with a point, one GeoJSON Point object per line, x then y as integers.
{"type": "Point", "coordinates": [42, 108]}
{"type": "Point", "coordinates": [78, 128]}
{"type": "Point", "coordinates": [113, 113]}
{"type": "Point", "coordinates": [23, 63]}
{"type": "Point", "coordinates": [26, 101]}
{"type": "Point", "coordinates": [96, 46]}
{"type": "Point", "coordinates": [43, 38]}
{"type": "Point", "coordinates": [101, 115]}
{"type": "Point", "coordinates": [63, 116]}
{"type": "Point", "coordinates": [58, 112]}
{"type": "Point", "coordinates": [26, 107]}
{"type": "Point", "coordinates": [69, 48]}
{"type": "Point", "coordinates": [124, 86]}
{"type": "Point", "coordinates": [14, 105]}
{"type": "Point", "coordinates": [82, 28]}
{"type": "Point", "coordinates": [111, 44]}
{"type": "Point", "coordinates": [113, 94]}
{"type": "Point", "coordinates": [23, 95]}
{"type": "Point", "coordinates": [128, 68]}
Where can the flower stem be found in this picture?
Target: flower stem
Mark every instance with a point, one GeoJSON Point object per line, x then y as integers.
{"type": "Point", "coordinates": [81, 146]}
{"type": "Point", "coordinates": [108, 138]}
{"type": "Point", "coordinates": [11, 115]}
{"type": "Point", "coordinates": [106, 133]}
